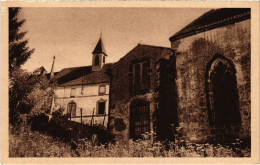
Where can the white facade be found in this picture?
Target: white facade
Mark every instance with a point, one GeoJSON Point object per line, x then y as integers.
{"type": "Point", "coordinates": [87, 99]}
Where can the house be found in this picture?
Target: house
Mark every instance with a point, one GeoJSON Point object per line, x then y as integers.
{"type": "Point", "coordinates": [142, 94]}
{"type": "Point", "coordinates": [213, 75]}
{"type": "Point", "coordinates": [83, 92]}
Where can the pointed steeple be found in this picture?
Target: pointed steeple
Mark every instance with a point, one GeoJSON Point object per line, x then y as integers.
{"type": "Point", "coordinates": [99, 47]}
{"type": "Point", "coordinates": [99, 56]}
{"type": "Point", "coordinates": [52, 68]}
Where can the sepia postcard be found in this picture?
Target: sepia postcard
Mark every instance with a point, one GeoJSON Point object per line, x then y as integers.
{"type": "Point", "coordinates": [130, 82]}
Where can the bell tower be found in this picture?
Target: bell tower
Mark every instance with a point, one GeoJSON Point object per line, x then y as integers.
{"type": "Point", "coordinates": [99, 56]}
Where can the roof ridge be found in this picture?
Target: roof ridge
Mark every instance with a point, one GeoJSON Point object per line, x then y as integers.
{"type": "Point", "coordinates": [154, 46]}
{"type": "Point", "coordinates": [212, 19]}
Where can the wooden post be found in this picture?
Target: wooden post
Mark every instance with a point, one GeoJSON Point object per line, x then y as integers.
{"type": "Point", "coordinates": [92, 118]}
{"type": "Point", "coordinates": [81, 115]}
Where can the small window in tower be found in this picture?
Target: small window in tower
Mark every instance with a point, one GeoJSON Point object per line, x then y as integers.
{"type": "Point", "coordinates": [72, 92]}
{"type": "Point", "coordinates": [104, 59]}
{"type": "Point", "coordinates": [97, 61]}
{"type": "Point", "coordinates": [102, 89]}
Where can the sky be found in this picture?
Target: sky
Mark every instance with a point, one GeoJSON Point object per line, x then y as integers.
{"type": "Point", "coordinates": [71, 34]}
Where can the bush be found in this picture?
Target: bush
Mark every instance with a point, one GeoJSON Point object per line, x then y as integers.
{"type": "Point", "coordinates": [39, 122]}
{"type": "Point", "coordinates": [69, 131]}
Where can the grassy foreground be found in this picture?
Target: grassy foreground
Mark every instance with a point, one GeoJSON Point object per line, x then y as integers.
{"type": "Point", "coordinates": [27, 143]}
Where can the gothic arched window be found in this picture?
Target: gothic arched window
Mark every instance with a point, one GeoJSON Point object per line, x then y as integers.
{"type": "Point", "coordinates": [222, 97]}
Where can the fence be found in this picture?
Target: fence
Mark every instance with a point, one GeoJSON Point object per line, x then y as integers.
{"type": "Point", "coordinates": [99, 119]}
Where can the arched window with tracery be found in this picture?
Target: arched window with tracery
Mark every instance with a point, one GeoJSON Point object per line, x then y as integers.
{"type": "Point", "coordinates": [222, 98]}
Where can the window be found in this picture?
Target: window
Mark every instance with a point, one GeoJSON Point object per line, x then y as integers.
{"type": "Point", "coordinates": [72, 109]}
{"type": "Point", "coordinates": [222, 97]}
{"type": "Point", "coordinates": [104, 60]}
{"type": "Point", "coordinates": [101, 107]}
{"type": "Point", "coordinates": [73, 92]}
{"type": "Point", "coordinates": [97, 61]}
{"type": "Point", "coordinates": [102, 89]}
{"type": "Point", "coordinates": [139, 77]}
{"type": "Point", "coordinates": [139, 118]}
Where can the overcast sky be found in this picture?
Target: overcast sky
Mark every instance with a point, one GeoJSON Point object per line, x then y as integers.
{"type": "Point", "coordinates": [71, 34]}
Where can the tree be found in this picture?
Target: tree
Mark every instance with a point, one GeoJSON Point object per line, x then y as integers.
{"type": "Point", "coordinates": [21, 83]}
{"type": "Point", "coordinates": [29, 93]}
{"type": "Point", "coordinates": [19, 52]}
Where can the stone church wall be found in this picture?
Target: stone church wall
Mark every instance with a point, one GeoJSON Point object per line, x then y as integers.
{"type": "Point", "coordinates": [193, 53]}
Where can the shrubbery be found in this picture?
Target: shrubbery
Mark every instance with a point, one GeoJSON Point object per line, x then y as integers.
{"type": "Point", "coordinates": [69, 131]}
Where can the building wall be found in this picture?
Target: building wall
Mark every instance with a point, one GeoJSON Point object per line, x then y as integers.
{"type": "Point", "coordinates": [85, 99]}
{"type": "Point", "coordinates": [121, 97]}
{"type": "Point", "coordinates": [193, 53]}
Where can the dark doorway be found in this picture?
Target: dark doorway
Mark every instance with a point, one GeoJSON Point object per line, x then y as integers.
{"type": "Point", "coordinates": [139, 118]}
{"type": "Point", "coordinates": [101, 108]}
{"type": "Point", "coordinates": [72, 109]}
{"type": "Point", "coordinates": [224, 115]}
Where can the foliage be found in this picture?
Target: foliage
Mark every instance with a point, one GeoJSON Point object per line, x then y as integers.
{"type": "Point", "coordinates": [19, 52]}
{"type": "Point", "coordinates": [29, 93]}
{"type": "Point", "coordinates": [59, 113]}
{"type": "Point", "coordinates": [34, 144]}
{"type": "Point", "coordinates": [69, 131]}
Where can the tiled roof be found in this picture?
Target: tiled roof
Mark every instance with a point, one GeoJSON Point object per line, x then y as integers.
{"type": "Point", "coordinates": [82, 75]}
{"type": "Point", "coordinates": [213, 19]}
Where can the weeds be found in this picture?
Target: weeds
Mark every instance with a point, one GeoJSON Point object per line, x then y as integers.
{"type": "Point", "coordinates": [29, 143]}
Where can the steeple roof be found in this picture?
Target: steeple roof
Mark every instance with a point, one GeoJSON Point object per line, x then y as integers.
{"type": "Point", "coordinates": [99, 47]}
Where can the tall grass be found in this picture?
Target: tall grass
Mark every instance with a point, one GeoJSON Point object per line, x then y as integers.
{"type": "Point", "coordinates": [27, 143]}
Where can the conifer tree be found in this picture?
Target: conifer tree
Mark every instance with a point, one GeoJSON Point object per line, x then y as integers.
{"type": "Point", "coordinates": [19, 52]}
{"type": "Point", "coordinates": [20, 82]}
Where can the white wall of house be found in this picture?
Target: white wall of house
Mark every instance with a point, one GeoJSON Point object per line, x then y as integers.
{"type": "Point", "coordinates": [86, 98]}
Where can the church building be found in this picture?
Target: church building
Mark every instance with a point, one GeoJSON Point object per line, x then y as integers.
{"type": "Point", "coordinates": [83, 92]}
{"type": "Point", "coordinates": [213, 64]}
